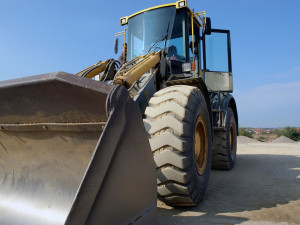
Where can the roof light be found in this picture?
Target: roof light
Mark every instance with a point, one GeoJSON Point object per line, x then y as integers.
{"type": "Point", "coordinates": [124, 21]}
{"type": "Point", "coordinates": [181, 4]}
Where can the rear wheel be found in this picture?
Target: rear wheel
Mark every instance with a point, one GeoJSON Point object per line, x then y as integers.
{"type": "Point", "coordinates": [178, 125]}
{"type": "Point", "coordinates": [225, 144]}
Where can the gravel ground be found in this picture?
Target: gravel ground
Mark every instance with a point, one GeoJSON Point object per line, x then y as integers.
{"type": "Point", "coordinates": [263, 188]}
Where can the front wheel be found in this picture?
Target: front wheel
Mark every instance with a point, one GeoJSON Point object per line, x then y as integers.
{"type": "Point", "coordinates": [178, 124]}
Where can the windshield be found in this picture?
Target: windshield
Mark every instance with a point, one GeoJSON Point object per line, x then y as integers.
{"type": "Point", "coordinates": [147, 31]}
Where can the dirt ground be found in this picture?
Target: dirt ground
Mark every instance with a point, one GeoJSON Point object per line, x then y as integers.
{"type": "Point", "coordinates": [265, 137]}
{"type": "Point", "coordinates": [263, 188]}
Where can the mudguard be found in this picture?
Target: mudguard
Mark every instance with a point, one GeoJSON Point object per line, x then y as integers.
{"type": "Point", "coordinates": [224, 101]}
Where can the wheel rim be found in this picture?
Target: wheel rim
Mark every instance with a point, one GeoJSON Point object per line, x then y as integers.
{"type": "Point", "coordinates": [200, 145]}
{"type": "Point", "coordinates": [232, 139]}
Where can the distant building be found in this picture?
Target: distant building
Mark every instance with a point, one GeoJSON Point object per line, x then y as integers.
{"type": "Point", "coordinates": [259, 131]}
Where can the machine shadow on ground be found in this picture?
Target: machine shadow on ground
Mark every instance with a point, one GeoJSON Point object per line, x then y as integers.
{"type": "Point", "coordinates": [257, 182]}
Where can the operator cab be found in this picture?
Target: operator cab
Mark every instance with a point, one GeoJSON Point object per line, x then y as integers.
{"type": "Point", "coordinates": [191, 48]}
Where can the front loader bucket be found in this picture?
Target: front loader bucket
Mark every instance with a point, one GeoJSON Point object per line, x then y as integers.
{"type": "Point", "coordinates": [73, 151]}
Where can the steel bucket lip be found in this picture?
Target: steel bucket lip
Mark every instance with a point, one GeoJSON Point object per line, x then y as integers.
{"type": "Point", "coordinates": [57, 76]}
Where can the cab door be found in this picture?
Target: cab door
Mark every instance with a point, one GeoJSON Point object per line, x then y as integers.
{"type": "Point", "coordinates": [217, 61]}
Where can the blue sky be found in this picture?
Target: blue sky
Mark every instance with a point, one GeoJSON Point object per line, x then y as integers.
{"type": "Point", "coordinates": [41, 36]}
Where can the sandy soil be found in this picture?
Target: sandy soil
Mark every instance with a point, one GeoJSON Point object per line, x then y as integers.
{"type": "Point", "coordinates": [263, 188]}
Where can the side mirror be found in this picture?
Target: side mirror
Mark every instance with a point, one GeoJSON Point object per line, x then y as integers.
{"type": "Point", "coordinates": [116, 45]}
{"type": "Point", "coordinates": [207, 29]}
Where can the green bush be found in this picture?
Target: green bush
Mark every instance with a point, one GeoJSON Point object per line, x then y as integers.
{"type": "Point", "coordinates": [289, 132]}
{"type": "Point", "coordinates": [261, 138]}
{"type": "Point", "coordinates": [244, 132]}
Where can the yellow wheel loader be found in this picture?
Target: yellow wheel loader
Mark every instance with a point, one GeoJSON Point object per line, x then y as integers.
{"type": "Point", "coordinates": [99, 146]}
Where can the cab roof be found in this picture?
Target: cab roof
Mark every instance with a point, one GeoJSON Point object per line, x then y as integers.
{"type": "Point", "coordinates": [179, 4]}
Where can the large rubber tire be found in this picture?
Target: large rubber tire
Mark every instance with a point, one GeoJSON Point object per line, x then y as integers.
{"type": "Point", "coordinates": [178, 124]}
{"type": "Point", "coordinates": [225, 144]}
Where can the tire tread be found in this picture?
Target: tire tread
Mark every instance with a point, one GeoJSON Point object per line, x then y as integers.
{"type": "Point", "coordinates": [169, 123]}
